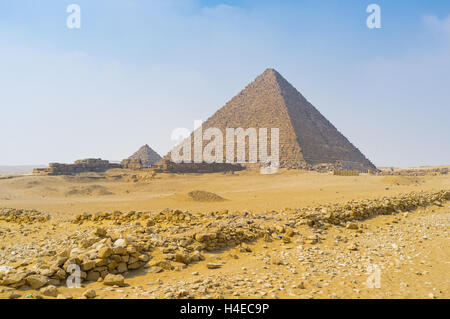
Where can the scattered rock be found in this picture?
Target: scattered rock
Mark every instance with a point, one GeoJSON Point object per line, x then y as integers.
{"type": "Point", "coordinates": [50, 291]}
{"type": "Point", "coordinates": [113, 280]}
{"type": "Point", "coordinates": [90, 293]}
{"type": "Point", "coordinates": [352, 226]}
{"type": "Point", "coordinates": [37, 281]}
{"type": "Point", "coordinates": [14, 295]}
{"type": "Point", "coordinates": [213, 265]}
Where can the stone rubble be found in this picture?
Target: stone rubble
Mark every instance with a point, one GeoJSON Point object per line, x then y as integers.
{"type": "Point", "coordinates": [111, 245]}
{"type": "Point", "coordinates": [12, 215]}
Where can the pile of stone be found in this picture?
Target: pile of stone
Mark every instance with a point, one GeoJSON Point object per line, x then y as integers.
{"type": "Point", "coordinates": [359, 210]}
{"type": "Point", "coordinates": [415, 172]}
{"type": "Point", "coordinates": [167, 216]}
{"type": "Point", "coordinates": [173, 239]}
{"type": "Point", "coordinates": [117, 216]}
{"type": "Point", "coordinates": [222, 236]}
{"type": "Point", "coordinates": [80, 166]}
{"type": "Point", "coordinates": [170, 216]}
{"type": "Point", "coordinates": [102, 256]}
{"type": "Point", "coordinates": [22, 216]}
{"type": "Point", "coordinates": [226, 230]}
{"type": "Point", "coordinates": [146, 218]}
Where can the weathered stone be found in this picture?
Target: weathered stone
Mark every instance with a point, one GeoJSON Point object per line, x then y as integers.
{"type": "Point", "coordinates": [104, 252]}
{"type": "Point", "coordinates": [155, 269]}
{"type": "Point", "coordinates": [14, 295]}
{"type": "Point", "coordinates": [121, 242]}
{"type": "Point", "coordinates": [202, 237]}
{"type": "Point", "coordinates": [165, 264]}
{"type": "Point", "coordinates": [112, 265]}
{"type": "Point", "coordinates": [14, 279]}
{"type": "Point", "coordinates": [113, 280]}
{"type": "Point", "coordinates": [90, 293]}
{"type": "Point", "coordinates": [182, 257]}
{"type": "Point", "coordinates": [61, 260]}
{"type": "Point", "coordinates": [352, 226]}
{"type": "Point", "coordinates": [122, 267]}
{"type": "Point", "coordinates": [135, 265]}
{"type": "Point", "coordinates": [100, 262]}
{"type": "Point", "coordinates": [289, 232]}
{"type": "Point", "coordinates": [93, 275]}
{"type": "Point", "coordinates": [100, 232]}
{"type": "Point", "coordinates": [88, 265]}
{"type": "Point", "coordinates": [213, 265]}
{"type": "Point", "coordinates": [119, 250]}
{"type": "Point", "coordinates": [37, 281]}
{"type": "Point", "coordinates": [60, 274]}
{"type": "Point", "coordinates": [50, 291]}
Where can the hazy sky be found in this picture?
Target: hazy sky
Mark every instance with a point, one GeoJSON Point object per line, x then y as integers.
{"type": "Point", "coordinates": [136, 70]}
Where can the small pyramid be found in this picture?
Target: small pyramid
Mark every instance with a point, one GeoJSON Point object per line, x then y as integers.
{"type": "Point", "coordinates": [306, 137]}
{"type": "Point", "coordinates": [146, 155]}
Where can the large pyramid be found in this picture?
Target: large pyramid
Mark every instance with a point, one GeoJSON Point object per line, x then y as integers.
{"type": "Point", "coordinates": [146, 155]}
{"type": "Point", "coordinates": [306, 137]}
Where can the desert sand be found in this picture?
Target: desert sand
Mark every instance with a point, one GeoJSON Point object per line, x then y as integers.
{"type": "Point", "coordinates": [409, 247]}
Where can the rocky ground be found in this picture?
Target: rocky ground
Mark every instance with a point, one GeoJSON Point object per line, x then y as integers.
{"type": "Point", "coordinates": [391, 247]}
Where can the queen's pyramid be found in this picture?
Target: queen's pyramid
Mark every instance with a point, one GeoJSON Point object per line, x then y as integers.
{"type": "Point", "coordinates": [146, 155]}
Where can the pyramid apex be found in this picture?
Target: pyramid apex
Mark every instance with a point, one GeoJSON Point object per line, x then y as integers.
{"type": "Point", "coordinates": [269, 70]}
{"type": "Point", "coordinates": [271, 73]}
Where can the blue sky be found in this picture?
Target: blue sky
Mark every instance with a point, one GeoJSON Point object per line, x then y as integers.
{"type": "Point", "coordinates": [136, 70]}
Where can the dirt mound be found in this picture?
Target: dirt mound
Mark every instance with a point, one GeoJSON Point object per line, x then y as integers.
{"type": "Point", "coordinates": [84, 177]}
{"type": "Point", "coordinates": [92, 190]}
{"type": "Point", "coordinates": [202, 196]}
{"type": "Point", "coordinates": [402, 180]}
{"type": "Point", "coordinates": [32, 184]}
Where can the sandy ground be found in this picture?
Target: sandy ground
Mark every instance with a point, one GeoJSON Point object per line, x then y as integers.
{"type": "Point", "coordinates": [243, 191]}
{"type": "Point", "coordinates": [409, 266]}
{"type": "Point", "coordinates": [409, 252]}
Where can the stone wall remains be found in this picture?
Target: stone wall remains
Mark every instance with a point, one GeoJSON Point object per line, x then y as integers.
{"type": "Point", "coordinates": [80, 166]}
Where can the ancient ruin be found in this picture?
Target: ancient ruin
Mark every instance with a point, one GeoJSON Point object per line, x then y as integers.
{"type": "Point", "coordinates": [134, 164]}
{"type": "Point", "coordinates": [307, 140]}
{"type": "Point", "coordinates": [145, 155]}
{"type": "Point", "coordinates": [166, 165]}
{"type": "Point", "coordinates": [80, 166]}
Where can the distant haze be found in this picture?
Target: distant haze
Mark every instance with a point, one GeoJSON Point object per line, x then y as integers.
{"type": "Point", "coordinates": [10, 169]}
